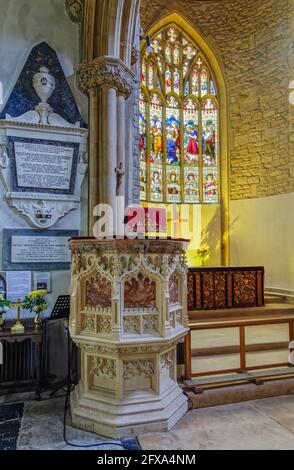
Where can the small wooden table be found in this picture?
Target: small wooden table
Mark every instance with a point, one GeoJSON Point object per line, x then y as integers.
{"type": "Point", "coordinates": [36, 337]}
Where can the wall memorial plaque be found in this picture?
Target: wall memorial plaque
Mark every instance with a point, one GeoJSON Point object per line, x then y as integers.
{"type": "Point", "coordinates": [34, 249]}
{"type": "Point", "coordinates": [39, 165]}
{"type": "Point", "coordinates": [43, 166]}
{"type": "Point", "coordinates": [43, 150]}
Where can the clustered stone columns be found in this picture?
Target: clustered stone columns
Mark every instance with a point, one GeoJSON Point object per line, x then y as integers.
{"type": "Point", "coordinates": [108, 82]}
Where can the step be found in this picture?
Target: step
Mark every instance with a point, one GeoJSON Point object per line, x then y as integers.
{"type": "Point", "coordinates": [274, 299]}
{"type": "Point", "coordinates": [281, 384]}
{"type": "Point", "coordinates": [231, 313]}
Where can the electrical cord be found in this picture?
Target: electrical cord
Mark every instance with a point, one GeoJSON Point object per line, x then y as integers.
{"type": "Point", "coordinates": [69, 388]}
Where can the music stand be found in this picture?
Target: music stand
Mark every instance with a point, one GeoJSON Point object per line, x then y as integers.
{"type": "Point", "coordinates": [61, 311]}
{"type": "Point", "coordinates": [61, 308]}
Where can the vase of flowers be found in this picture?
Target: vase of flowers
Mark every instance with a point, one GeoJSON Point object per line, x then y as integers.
{"type": "Point", "coordinates": [4, 307]}
{"type": "Point", "coordinates": [203, 254]}
{"type": "Point", "coordinates": [35, 303]}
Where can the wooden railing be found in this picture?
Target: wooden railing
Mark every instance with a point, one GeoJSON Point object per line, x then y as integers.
{"type": "Point", "coordinates": [225, 287]}
{"type": "Point", "coordinates": [242, 349]}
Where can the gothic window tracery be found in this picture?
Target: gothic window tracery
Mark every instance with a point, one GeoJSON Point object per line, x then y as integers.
{"type": "Point", "coordinates": [179, 122]}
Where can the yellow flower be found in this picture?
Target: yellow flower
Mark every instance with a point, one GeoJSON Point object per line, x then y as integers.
{"type": "Point", "coordinates": [37, 293]}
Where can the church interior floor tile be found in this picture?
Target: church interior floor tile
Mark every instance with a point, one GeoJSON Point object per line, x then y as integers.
{"type": "Point", "coordinates": [34, 425]}
{"type": "Point", "coordinates": [265, 424]}
{"type": "Point", "coordinates": [259, 424]}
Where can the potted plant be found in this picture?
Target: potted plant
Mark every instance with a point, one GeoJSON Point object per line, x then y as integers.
{"type": "Point", "coordinates": [35, 302]}
{"type": "Point", "coordinates": [4, 307]}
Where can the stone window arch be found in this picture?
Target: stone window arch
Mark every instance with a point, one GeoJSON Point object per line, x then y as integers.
{"type": "Point", "coordinates": [179, 120]}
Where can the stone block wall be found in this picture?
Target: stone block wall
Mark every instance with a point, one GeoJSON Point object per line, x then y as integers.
{"type": "Point", "coordinates": [254, 41]}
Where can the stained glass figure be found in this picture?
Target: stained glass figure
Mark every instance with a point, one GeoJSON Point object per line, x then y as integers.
{"type": "Point", "coordinates": [210, 185]}
{"type": "Point", "coordinates": [168, 81]}
{"type": "Point", "coordinates": [209, 132]}
{"type": "Point", "coordinates": [143, 182]}
{"type": "Point", "coordinates": [204, 81]}
{"type": "Point", "coordinates": [176, 54]}
{"type": "Point", "coordinates": [142, 128]}
{"type": "Point", "coordinates": [156, 128]}
{"type": "Point", "coordinates": [143, 73]}
{"type": "Point", "coordinates": [172, 34]}
{"type": "Point", "coordinates": [156, 46]}
{"type": "Point", "coordinates": [178, 122]}
{"type": "Point", "coordinates": [189, 52]}
{"type": "Point", "coordinates": [195, 82]}
{"type": "Point", "coordinates": [172, 131]}
{"type": "Point", "coordinates": [191, 143]}
{"type": "Point", "coordinates": [191, 188]}
{"type": "Point", "coordinates": [168, 53]}
{"type": "Point", "coordinates": [150, 77]}
{"type": "Point", "coordinates": [173, 184]}
{"type": "Point", "coordinates": [177, 81]}
{"type": "Point", "coordinates": [156, 182]}
{"type": "Point", "coordinates": [186, 65]}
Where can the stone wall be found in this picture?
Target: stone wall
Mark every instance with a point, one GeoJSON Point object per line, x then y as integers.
{"type": "Point", "coordinates": [252, 39]}
{"type": "Point", "coordinates": [24, 24]}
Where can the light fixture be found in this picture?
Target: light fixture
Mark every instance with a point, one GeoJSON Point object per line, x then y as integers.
{"type": "Point", "coordinates": [149, 48]}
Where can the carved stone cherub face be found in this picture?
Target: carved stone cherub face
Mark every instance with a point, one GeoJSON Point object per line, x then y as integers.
{"type": "Point", "coordinates": [75, 9]}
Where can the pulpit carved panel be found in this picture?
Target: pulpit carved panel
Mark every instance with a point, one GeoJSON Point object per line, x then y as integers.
{"type": "Point", "coordinates": [174, 295]}
{"type": "Point", "coordinates": [140, 292]}
{"type": "Point", "coordinates": [98, 292]}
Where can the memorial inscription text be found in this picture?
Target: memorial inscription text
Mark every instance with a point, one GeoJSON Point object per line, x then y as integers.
{"type": "Point", "coordinates": [43, 166]}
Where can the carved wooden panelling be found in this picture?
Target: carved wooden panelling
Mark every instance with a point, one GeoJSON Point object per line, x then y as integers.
{"type": "Point", "coordinates": [225, 287]}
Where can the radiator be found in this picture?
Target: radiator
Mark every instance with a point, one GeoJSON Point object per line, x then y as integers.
{"type": "Point", "coordinates": [18, 362]}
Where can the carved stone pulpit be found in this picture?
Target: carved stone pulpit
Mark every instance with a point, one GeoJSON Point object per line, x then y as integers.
{"type": "Point", "coordinates": [128, 313]}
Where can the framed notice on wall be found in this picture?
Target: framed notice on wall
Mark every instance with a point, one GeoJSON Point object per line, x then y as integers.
{"type": "Point", "coordinates": [36, 249]}
{"type": "Point", "coordinates": [42, 281]}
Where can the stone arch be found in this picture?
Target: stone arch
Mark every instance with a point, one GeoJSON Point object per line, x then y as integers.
{"type": "Point", "coordinates": [108, 29]}
{"type": "Point", "coordinates": [218, 71]}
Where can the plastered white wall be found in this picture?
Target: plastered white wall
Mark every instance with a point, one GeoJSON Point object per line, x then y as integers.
{"type": "Point", "coordinates": [262, 234]}
{"type": "Point", "coordinates": [24, 24]}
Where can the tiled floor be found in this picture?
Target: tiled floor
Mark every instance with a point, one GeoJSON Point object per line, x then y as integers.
{"type": "Point", "coordinates": [42, 428]}
{"type": "Point", "coordinates": [266, 424]}
{"type": "Point", "coordinates": [259, 424]}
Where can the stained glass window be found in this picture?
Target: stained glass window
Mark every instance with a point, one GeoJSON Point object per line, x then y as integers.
{"type": "Point", "coordinates": [178, 121]}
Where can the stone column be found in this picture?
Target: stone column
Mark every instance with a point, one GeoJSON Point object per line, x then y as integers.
{"type": "Point", "coordinates": [93, 195]}
{"type": "Point", "coordinates": [121, 141]}
{"type": "Point", "coordinates": [107, 158]}
{"type": "Point", "coordinates": [108, 82]}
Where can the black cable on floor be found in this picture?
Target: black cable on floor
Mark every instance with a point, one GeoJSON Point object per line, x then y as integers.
{"type": "Point", "coordinates": [67, 402]}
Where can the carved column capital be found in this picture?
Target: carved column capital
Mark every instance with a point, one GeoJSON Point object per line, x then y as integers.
{"type": "Point", "coordinates": [106, 72]}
